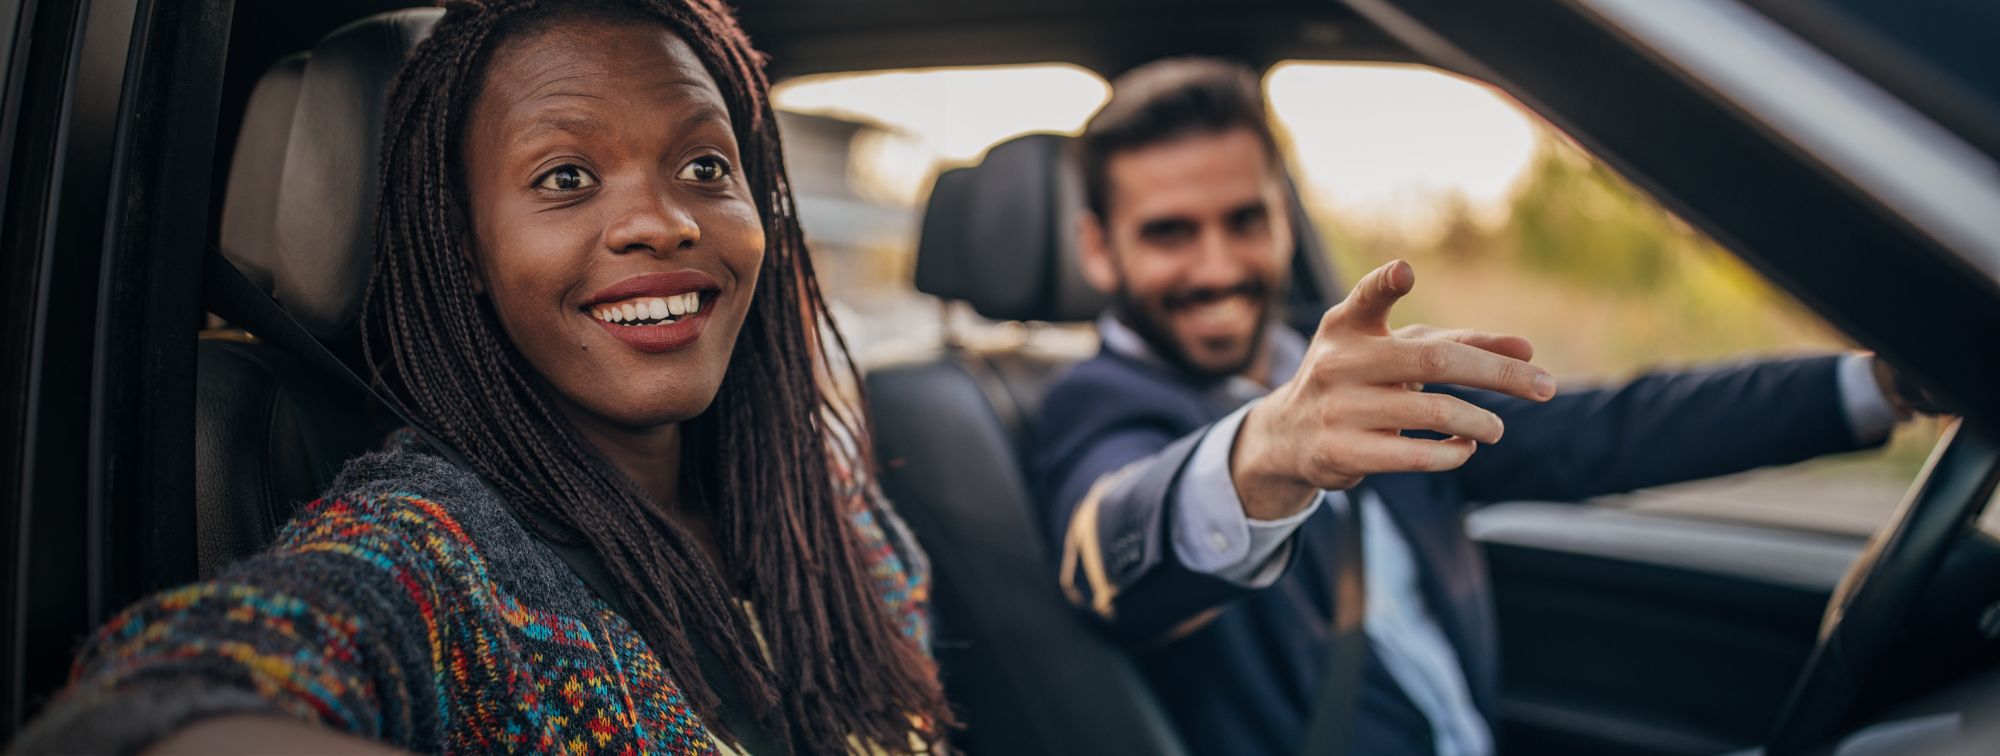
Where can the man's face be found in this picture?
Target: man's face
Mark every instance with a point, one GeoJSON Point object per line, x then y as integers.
{"type": "Point", "coordinates": [1194, 245]}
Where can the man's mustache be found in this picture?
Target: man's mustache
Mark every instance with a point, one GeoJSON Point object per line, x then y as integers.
{"type": "Point", "coordinates": [1254, 289]}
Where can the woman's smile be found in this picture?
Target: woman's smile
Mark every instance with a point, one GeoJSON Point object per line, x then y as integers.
{"type": "Point", "coordinates": [656, 312]}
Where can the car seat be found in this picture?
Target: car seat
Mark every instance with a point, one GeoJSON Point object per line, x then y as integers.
{"type": "Point", "coordinates": [1029, 673]}
{"type": "Point", "coordinates": [270, 431]}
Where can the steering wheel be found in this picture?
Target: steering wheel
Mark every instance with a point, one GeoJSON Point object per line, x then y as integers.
{"type": "Point", "coordinates": [1875, 597]}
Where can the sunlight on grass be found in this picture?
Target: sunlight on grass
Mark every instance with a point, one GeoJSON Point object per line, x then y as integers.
{"type": "Point", "coordinates": [1608, 285]}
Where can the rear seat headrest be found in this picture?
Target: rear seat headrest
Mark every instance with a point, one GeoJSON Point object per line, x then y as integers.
{"type": "Point", "coordinates": [256, 169]}
{"type": "Point", "coordinates": [326, 207]}
{"type": "Point", "coordinates": [1001, 236]}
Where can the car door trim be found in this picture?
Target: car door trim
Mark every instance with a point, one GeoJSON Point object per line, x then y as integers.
{"type": "Point", "coordinates": [1910, 164]}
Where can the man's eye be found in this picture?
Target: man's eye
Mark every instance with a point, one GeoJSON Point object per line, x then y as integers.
{"type": "Point", "coordinates": [704, 169]}
{"type": "Point", "coordinates": [566, 178]}
{"type": "Point", "coordinates": [1250, 221]}
{"type": "Point", "coordinates": [1166, 233]}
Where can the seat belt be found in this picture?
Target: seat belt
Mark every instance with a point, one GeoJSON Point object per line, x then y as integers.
{"type": "Point", "coordinates": [1330, 731]}
{"type": "Point", "coordinates": [232, 296]}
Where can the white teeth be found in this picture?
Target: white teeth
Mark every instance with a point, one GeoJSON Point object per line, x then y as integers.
{"type": "Point", "coordinates": [652, 308]}
{"type": "Point", "coordinates": [1222, 312]}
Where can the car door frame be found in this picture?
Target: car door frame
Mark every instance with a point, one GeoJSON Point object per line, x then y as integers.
{"type": "Point", "coordinates": [109, 133]}
{"type": "Point", "coordinates": [1780, 197]}
{"type": "Point", "coordinates": [1754, 191]}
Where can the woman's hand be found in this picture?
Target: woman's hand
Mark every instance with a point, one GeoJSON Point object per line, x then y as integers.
{"type": "Point", "coordinates": [261, 734]}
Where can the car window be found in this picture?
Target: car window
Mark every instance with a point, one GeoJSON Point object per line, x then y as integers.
{"type": "Point", "coordinates": [1513, 228]}
{"type": "Point", "coordinates": [863, 150]}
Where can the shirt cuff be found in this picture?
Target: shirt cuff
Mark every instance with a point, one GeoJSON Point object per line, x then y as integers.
{"type": "Point", "coordinates": [1869, 413]}
{"type": "Point", "coordinates": [1211, 533]}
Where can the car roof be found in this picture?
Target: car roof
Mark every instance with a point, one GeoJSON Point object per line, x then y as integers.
{"type": "Point", "coordinates": [1106, 36]}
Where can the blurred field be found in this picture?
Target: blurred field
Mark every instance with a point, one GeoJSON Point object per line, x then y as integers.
{"type": "Point", "coordinates": [1607, 285]}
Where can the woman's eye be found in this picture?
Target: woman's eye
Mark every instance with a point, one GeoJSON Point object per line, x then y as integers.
{"type": "Point", "coordinates": [566, 178]}
{"type": "Point", "coordinates": [705, 169]}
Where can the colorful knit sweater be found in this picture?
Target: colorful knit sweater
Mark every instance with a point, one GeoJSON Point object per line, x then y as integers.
{"type": "Point", "coordinates": [411, 607]}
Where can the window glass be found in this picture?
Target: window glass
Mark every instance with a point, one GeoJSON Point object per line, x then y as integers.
{"type": "Point", "coordinates": [1512, 228]}
{"type": "Point", "coordinates": [863, 150]}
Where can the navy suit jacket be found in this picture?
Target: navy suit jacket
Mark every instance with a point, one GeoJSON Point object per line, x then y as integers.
{"type": "Point", "coordinates": [1238, 669]}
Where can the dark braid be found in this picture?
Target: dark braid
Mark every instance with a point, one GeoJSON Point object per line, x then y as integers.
{"type": "Point", "coordinates": [756, 462]}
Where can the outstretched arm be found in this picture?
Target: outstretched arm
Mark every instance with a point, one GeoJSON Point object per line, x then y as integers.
{"type": "Point", "coordinates": [1677, 426]}
{"type": "Point", "coordinates": [1155, 531]}
{"type": "Point", "coordinates": [327, 632]}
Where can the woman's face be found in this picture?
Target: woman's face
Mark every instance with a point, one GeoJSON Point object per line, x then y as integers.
{"type": "Point", "coordinates": [613, 230]}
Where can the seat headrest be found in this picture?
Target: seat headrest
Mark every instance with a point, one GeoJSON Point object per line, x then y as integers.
{"type": "Point", "coordinates": [256, 169]}
{"type": "Point", "coordinates": [326, 207]}
{"type": "Point", "coordinates": [1002, 237]}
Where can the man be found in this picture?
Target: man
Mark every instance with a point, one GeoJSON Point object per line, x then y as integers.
{"type": "Point", "coordinates": [1200, 473]}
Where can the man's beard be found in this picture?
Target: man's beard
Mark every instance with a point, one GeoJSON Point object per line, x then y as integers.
{"type": "Point", "coordinates": [1151, 320]}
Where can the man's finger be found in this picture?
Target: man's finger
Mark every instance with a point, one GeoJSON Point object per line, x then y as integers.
{"type": "Point", "coordinates": [1441, 361]}
{"type": "Point", "coordinates": [1367, 307]}
{"type": "Point", "coordinates": [1497, 343]}
{"type": "Point", "coordinates": [1390, 454]}
{"type": "Point", "coordinates": [1449, 415]}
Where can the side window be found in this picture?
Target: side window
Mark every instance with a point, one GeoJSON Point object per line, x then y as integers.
{"type": "Point", "coordinates": [1515, 229]}
{"type": "Point", "coordinates": [864, 148]}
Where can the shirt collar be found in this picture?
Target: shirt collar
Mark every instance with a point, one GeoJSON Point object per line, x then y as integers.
{"type": "Point", "coordinates": [1284, 348]}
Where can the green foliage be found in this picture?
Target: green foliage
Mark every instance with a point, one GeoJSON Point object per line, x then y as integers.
{"type": "Point", "coordinates": [1573, 217]}
{"type": "Point", "coordinates": [1604, 281]}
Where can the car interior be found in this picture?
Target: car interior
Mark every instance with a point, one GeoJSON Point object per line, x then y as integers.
{"type": "Point", "coordinates": [1622, 632]}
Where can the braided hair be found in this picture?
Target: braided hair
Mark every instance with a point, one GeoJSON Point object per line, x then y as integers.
{"type": "Point", "coordinates": [758, 463]}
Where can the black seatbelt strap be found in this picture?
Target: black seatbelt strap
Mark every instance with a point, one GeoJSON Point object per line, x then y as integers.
{"type": "Point", "coordinates": [240, 302]}
{"type": "Point", "coordinates": [1330, 731]}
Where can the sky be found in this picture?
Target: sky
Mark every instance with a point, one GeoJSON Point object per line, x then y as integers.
{"type": "Point", "coordinates": [1381, 140]}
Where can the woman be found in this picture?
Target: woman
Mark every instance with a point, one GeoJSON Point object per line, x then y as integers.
{"type": "Point", "coordinates": [590, 283]}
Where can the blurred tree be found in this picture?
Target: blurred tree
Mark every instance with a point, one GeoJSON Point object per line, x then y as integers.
{"type": "Point", "coordinates": [1573, 217]}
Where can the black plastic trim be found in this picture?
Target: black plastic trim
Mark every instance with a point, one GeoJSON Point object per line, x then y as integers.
{"type": "Point", "coordinates": [56, 223]}
{"type": "Point", "coordinates": [142, 442]}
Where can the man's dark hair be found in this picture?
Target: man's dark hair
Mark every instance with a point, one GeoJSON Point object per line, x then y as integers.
{"type": "Point", "coordinates": [1166, 100]}
{"type": "Point", "coordinates": [832, 663]}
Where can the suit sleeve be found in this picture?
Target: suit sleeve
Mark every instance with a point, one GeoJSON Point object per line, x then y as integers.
{"type": "Point", "coordinates": [1661, 428]}
{"type": "Point", "coordinates": [1107, 494]}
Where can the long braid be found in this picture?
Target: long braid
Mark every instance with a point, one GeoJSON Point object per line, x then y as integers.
{"type": "Point", "coordinates": [757, 461]}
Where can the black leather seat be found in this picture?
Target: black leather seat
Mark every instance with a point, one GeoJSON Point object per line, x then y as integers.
{"type": "Point", "coordinates": [270, 432]}
{"type": "Point", "coordinates": [1029, 673]}
{"type": "Point", "coordinates": [250, 202]}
